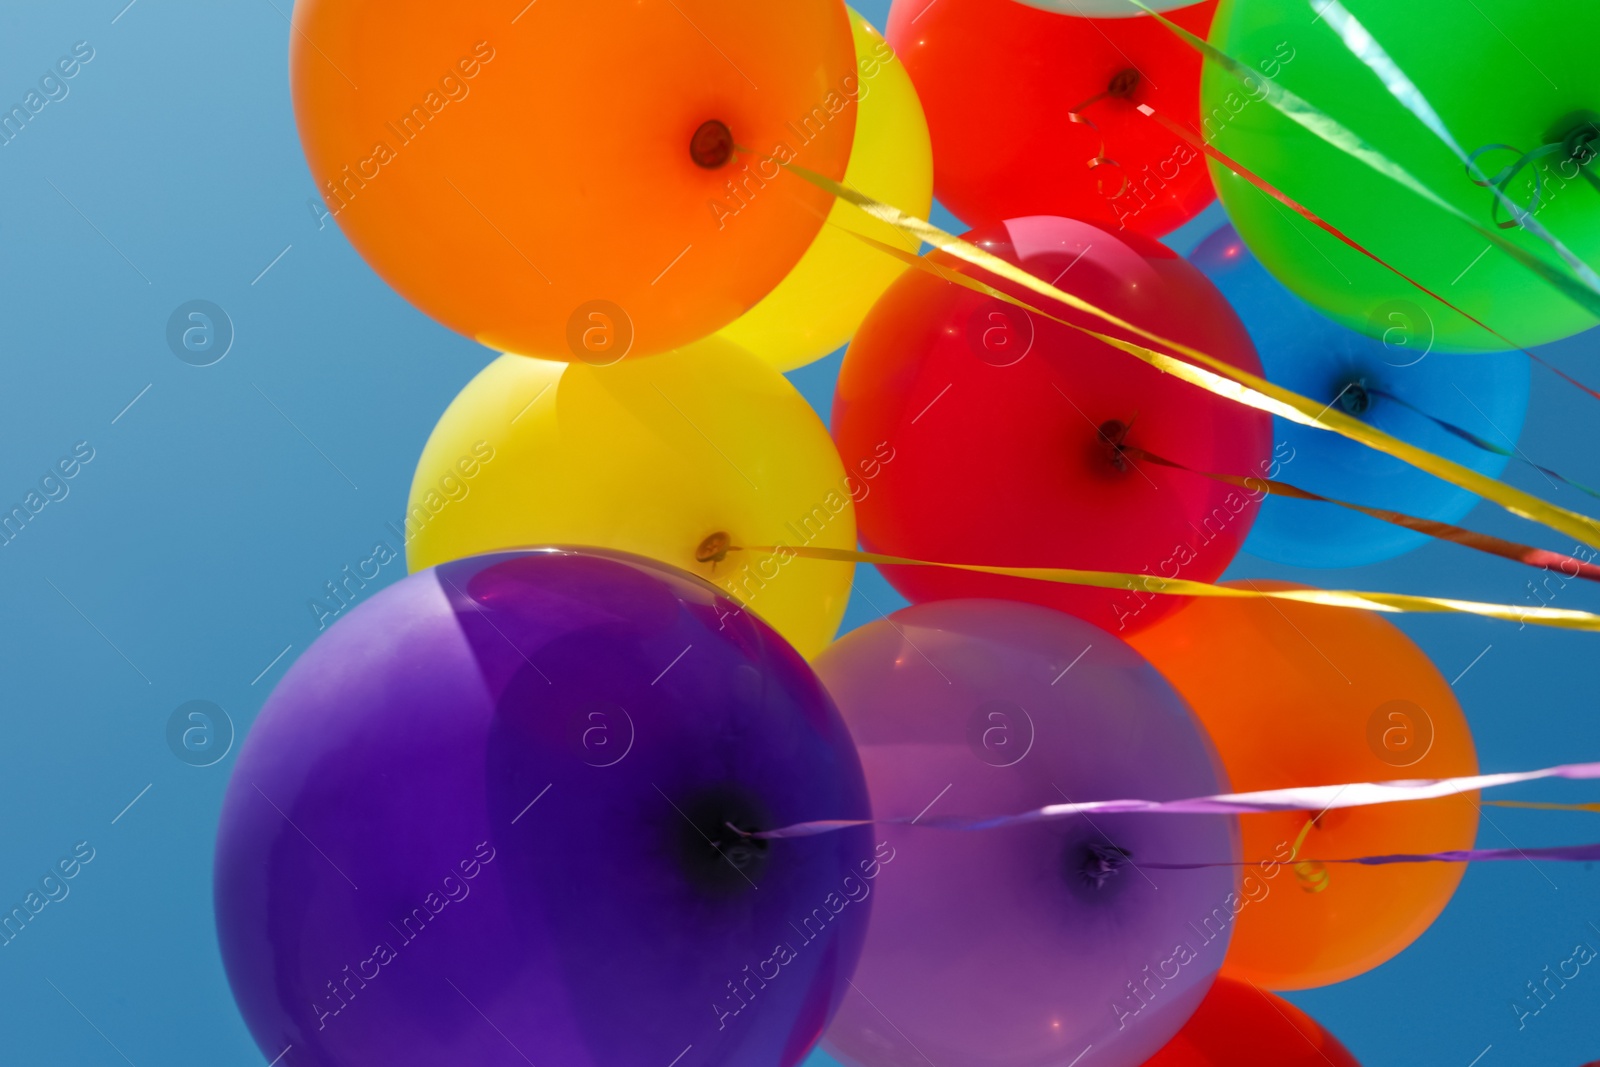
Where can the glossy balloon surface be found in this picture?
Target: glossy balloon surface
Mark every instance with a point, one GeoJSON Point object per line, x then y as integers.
{"type": "Point", "coordinates": [1002, 422]}
{"type": "Point", "coordinates": [1297, 694]}
{"type": "Point", "coordinates": [1388, 383]}
{"type": "Point", "coordinates": [1021, 947]}
{"type": "Point", "coordinates": [819, 305]}
{"type": "Point", "coordinates": [683, 457]}
{"type": "Point", "coordinates": [1238, 1025]}
{"type": "Point", "coordinates": [482, 820]}
{"type": "Point", "coordinates": [575, 179]}
{"type": "Point", "coordinates": [1532, 82]}
{"type": "Point", "coordinates": [999, 94]}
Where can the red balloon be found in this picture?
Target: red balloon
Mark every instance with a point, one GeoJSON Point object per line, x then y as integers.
{"type": "Point", "coordinates": [999, 80]}
{"type": "Point", "coordinates": [989, 435]}
{"type": "Point", "coordinates": [1238, 1025]}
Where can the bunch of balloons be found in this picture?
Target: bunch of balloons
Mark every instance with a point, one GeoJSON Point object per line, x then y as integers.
{"type": "Point", "coordinates": [599, 784]}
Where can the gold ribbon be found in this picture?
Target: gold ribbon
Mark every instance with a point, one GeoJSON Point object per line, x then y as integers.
{"type": "Point", "coordinates": [1388, 603]}
{"type": "Point", "coordinates": [1216, 376]}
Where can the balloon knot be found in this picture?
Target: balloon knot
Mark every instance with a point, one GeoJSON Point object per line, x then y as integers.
{"type": "Point", "coordinates": [712, 145]}
{"type": "Point", "coordinates": [1104, 861]}
{"type": "Point", "coordinates": [714, 549]}
{"type": "Point", "coordinates": [1124, 82]}
{"type": "Point", "coordinates": [1113, 442]}
{"type": "Point", "coordinates": [1355, 398]}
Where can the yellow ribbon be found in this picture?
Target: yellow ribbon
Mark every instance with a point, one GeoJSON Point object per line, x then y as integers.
{"type": "Point", "coordinates": [1216, 376]}
{"type": "Point", "coordinates": [1312, 875]}
{"type": "Point", "coordinates": [1388, 603]}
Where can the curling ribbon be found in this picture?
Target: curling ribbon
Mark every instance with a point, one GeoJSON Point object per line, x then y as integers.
{"type": "Point", "coordinates": [1317, 798]}
{"type": "Point", "coordinates": [1576, 148]}
{"type": "Point", "coordinates": [1339, 235]}
{"type": "Point", "coordinates": [1311, 874]}
{"type": "Point", "coordinates": [1329, 129]}
{"type": "Point", "coordinates": [1376, 58]}
{"type": "Point", "coordinates": [1215, 375]}
{"type": "Point", "coordinates": [1388, 603]}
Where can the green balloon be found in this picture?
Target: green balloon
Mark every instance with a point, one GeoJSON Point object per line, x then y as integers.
{"type": "Point", "coordinates": [1519, 73]}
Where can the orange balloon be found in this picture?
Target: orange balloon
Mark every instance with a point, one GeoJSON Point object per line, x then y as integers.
{"type": "Point", "coordinates": [560, 178]}
{"type": "Point", "coordinates": [1296, 695]}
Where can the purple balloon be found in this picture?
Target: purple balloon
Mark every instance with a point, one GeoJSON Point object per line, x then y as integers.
{"type": "Point", "coordinates": [484, 820]}
{"type": "Point", "coordinates": [1028, 946]}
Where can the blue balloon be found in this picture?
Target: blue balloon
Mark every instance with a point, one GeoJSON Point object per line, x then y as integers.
{"type": "Point", "coordinates": [1394, 383]}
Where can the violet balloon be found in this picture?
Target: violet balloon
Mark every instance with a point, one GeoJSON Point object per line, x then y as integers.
{"type": "Point", "coordinates": [484, 820]}
{"type": "Point", "coordinates": [1027, 946]}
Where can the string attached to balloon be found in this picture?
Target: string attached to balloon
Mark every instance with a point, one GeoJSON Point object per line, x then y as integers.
{"type": "Point", "coordinates": [1260, 183]}
{"type": "Point", "coordinates": [1481, 542]}
{"type": "Point", "coordinates": [1312, 875]}
{"type": "Point", "coordinates": [1315, 798]}
{"type": "Point", "coordinates": [1215, 375]}
{"type": "Point", "coordinates": [1481, 442]}
{"type": "Point", "coordinates": [1376, 58]}
{"type": "Point", "coordinates": [1540, 805]}
{"type": "Point", "coordinates": [1586, 293]}
{"type": "Point", "coordinates": [1121, 88]}
{"type": "Point", "coordinates": [1576, 148]}
{"type": "Point", "coordinates": [1388, 603]}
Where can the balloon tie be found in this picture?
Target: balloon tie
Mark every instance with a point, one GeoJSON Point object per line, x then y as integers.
{"type": "Point", "coordinates": [714, 549]}
{"type": "Point", "coordinates": [1103, 862]}
{"type": "Point", "coordinates": [1121, 87]}
{"type": "Point", "coordinates": [1576, 148]}
{"type": "Point", "coordinates": [712, 145]}
{"type": "Point", "coordinates": [1312, 875]}
{"type": "Point", "coordinates": [1356, 398]}
{"type": "Point", "coordinates": [1114, 437]}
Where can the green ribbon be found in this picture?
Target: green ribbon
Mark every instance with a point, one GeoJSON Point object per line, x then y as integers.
{"type": "Point", "coordinates": [1577, 148]}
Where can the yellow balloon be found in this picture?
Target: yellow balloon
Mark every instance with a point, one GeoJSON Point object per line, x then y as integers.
{"type": "Point", "coordinates": [823, 300]}
{"type": "Point", "coordinates": [679, 457]}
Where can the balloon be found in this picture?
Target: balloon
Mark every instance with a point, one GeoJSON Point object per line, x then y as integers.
{"type": "Point", "coordinates": [1002, 425]}
{"type": "Point", "coordinates": [1298, 694]}
{"type": "Point", "coordinates": [484, 820]}
{"type": "Point", "coordinates": [1521, 51]}
{"type": "Point", "coordinates": [1239, 1025]}
{"type": "Point", "coordinates": [1000, 97]}
{"type": "Point", "coordinates": [1107, 9]}
{"type": "Point", "coordinates": [1484, 393]}
{"type": "Point", "coordinates": [1020, 947]}
{"type": "Point", "coordinates": [575, 180]}
{"type": "Point", "coordinates": [683, 457]}
{"type": "Point", "coordinates": [819, 305]}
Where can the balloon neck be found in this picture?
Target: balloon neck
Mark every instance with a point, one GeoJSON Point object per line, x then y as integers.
{"type": "Point", "coordinates": [1101, 862]}
{"type": "Point", "coordinates": [1113, 442]}
{"type": "Point", "coordinates": [714, 549]}
{"type": "Point", "coordinates": [1123, 83]}
{"type": "Point", "coordinates": [712, 145]}
{"type": "Point", "coordinates": [1578, 134]}
{"type": "Point", "coordinates": [1355, 398]}
{"type": "Point", "coordinates": [715, 847]}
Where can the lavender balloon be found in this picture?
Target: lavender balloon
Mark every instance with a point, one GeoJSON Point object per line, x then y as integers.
{"type": "Point", "coordinates": [1028, 946]}
{"type": "Point", "coordinates": [485, 820]}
